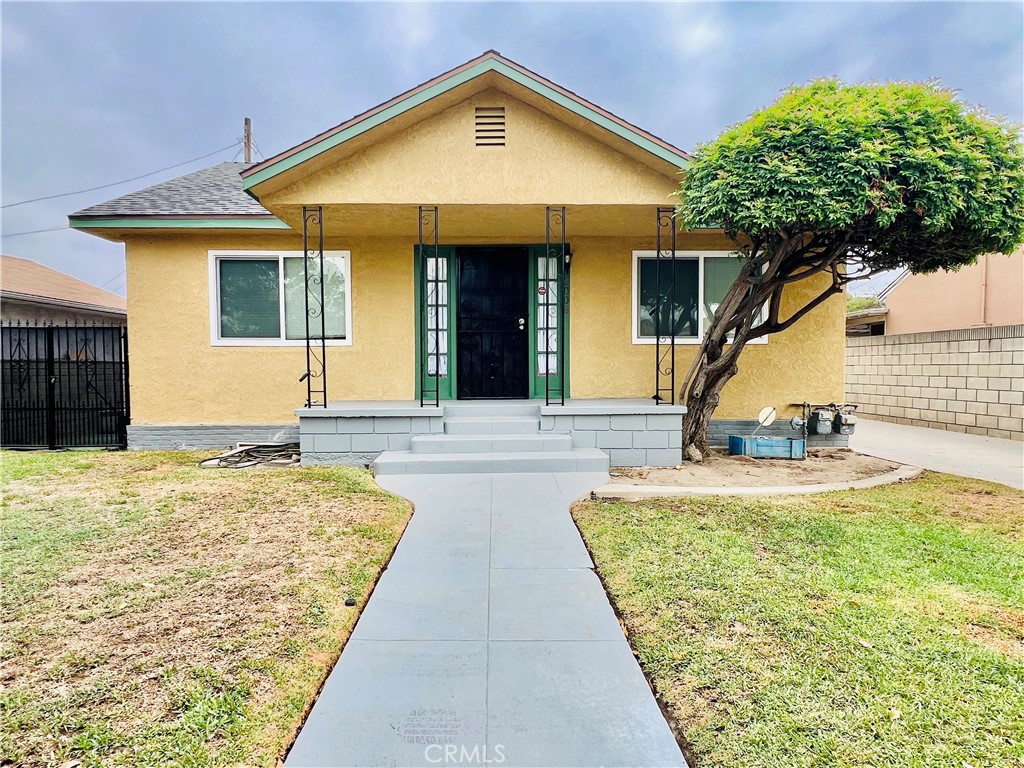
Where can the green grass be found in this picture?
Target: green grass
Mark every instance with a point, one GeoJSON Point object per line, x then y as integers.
{"type": "Point", "coordinates": [873, 628]}
{"type": "Point", "coordinates": [158, 614]}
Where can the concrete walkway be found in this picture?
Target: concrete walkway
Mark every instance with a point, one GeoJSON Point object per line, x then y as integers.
{"type": "Point", "coordinates": [488, 640]}
{"type": "Point", "coordinates": [986, 458]}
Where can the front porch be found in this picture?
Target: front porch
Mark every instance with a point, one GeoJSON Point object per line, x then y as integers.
{"type": "Point", "coordinates": [630, 432]}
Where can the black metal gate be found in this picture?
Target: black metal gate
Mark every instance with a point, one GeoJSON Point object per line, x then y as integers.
{"type": "Point", "coordinates": [64, 386]}
{"type": "Point", "coordinates": [493, 341]}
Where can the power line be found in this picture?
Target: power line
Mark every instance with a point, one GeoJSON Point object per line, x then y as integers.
{"type": "Point", "coordinates": [116, 183]}
{"type": "Point", "coordinates": [34, 231]}
{"type": "Point", "coordinates": [256, 146]}
{"type": "Point", "coordinates": [118, 276]}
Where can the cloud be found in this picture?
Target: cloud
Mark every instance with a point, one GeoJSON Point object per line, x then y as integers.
{"type": "Point", "coordinates": [701, 34]}
{"type": "Point", "coordinates": [94, 92]}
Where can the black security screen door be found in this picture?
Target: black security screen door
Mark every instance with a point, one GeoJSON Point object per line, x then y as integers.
{"type": "Point", "coordinates": [493, 323]}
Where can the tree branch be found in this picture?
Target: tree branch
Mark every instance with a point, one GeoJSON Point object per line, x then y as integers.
{"type": "Point", "coordinates": [765, 328]}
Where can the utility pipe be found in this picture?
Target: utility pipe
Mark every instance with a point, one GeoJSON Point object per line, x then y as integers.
{"type": "Point", "coordinates": [984, 290]}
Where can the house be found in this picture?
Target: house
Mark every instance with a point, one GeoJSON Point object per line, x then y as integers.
{"type": "Point", "coordinates": [867, 322]}
{"type": "Point", "coordinates": [485, 239]}
{"type": "Point", "coordinates": [33, 294]}
{"type": "Point", "coordinates": [988, 293]}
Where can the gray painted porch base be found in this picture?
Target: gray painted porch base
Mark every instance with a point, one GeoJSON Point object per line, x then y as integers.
{"type": "Point", "coordinates": [632, 432]}
{"type": "Point", "coordinates": [174, 437]}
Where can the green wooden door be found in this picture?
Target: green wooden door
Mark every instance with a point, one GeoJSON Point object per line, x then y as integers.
{"type": "Point", "coordinates": [434, 278]}
{"type": "Point", "coordinates": [549, 322]}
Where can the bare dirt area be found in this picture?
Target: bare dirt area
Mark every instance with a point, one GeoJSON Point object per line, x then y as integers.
{"type": "Point", "coordinates": [160, 614]}
{"type": "Point", "coordinates": [721, 469]}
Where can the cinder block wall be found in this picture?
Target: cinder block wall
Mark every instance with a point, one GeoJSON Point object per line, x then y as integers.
{"type": "Point", "coordinates": [970, 380]}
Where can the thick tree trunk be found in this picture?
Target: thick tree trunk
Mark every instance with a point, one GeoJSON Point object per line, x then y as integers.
{"type": "Point", "coordinates": [701, 403]}
{"type": "Point", "coordinates": [751, 309]}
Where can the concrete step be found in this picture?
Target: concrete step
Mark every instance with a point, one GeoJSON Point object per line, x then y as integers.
{"type": "Point", "coordinates": [491, 425]}
{"type": "Point", "coordinates": [409, 463]}
{"type": "Point", "coordinates": [534, 443]}
{"type": "Point", "coordinates": [511, 408]}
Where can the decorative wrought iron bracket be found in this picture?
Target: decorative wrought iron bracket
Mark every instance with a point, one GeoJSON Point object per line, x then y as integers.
{"type": "Point", "coordinates": [313, 279]}
{"type": "Point", "coordinates": [665, 308]}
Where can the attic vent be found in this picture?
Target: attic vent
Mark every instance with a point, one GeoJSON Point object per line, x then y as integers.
{"type": "Point", "coordinates": [490, 126]}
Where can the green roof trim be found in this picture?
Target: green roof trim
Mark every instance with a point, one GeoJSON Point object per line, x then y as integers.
{"type": "Point", "coordinates": [421, 97]}
{"type": "Point", "coordinates": [157, 222]}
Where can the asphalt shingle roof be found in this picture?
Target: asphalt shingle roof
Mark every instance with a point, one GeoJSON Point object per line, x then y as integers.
{"type": "Point", "coordinates": [214, 191]}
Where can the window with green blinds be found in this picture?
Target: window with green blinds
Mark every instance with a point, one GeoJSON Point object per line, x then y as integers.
{"type": "Point", "coordinates": [249, 298]}
{"type": "Point", "coordinates": [719, 275]}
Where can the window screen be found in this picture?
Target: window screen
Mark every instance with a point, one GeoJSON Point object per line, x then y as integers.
{"type": "Point", "coordinates": [669, 304]}
{"type": "Point", "coordinates": [249, 299]}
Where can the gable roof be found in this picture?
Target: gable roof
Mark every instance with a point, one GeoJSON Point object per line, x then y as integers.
{"type": "Point", "coordinates": [223, 196]}
{"type": "Point", "coordinates": [32, 282]}
{"type": "Point", "coordinates": [214, 191]}
{"type": "Point", "coordinates": [491, 61]}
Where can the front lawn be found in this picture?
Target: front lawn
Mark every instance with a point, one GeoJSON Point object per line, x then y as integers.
{"type": "Point", "coordinates": [158, 614]}
{"type": "Point", "coordinates": [870, 628]}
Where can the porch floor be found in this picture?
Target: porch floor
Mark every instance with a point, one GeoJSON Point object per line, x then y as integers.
{"type": "Point", "coordinates": [410, 408]}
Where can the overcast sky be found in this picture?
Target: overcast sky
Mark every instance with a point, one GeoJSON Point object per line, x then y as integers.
{"type": "Point", "coordinates": [94, 93]}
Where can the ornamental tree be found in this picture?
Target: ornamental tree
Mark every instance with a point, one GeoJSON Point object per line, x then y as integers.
{"type": "Point", "coordinates": [836, 183]}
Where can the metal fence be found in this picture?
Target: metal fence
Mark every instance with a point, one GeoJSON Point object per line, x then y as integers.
{"type": "Point", "coordinates": [64, 386]}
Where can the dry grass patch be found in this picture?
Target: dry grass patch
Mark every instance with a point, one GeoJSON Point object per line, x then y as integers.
{"type": "Point", "coordinates": [161, 614]}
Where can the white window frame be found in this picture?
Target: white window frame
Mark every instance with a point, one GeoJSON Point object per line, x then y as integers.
{"type": "Point", "coordinates": [215, 257]}
{"type": "Point", "coordinates": [701, 325]}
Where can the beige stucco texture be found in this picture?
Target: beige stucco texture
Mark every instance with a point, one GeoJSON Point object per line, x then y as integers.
{"type": "Point", "coordinates": [485, 195]}
{"type": "Point", "coordinates": [178, 376]}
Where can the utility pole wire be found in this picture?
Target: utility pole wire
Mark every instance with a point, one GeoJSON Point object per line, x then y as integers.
{"type": "Point", "coordinates": [118, 276]}
{"type": "Point", "coordinates": [116, 183]}
{"type": "Point", "coordinates": [35, 231]}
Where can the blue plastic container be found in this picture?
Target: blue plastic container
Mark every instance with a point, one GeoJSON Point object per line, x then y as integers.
{"type": "Point", "coordinates": [768, 447]}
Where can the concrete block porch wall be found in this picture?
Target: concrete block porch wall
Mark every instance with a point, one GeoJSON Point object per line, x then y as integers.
{"type": "Point", "coordinates": [354, 434]}
{"type": "Point", "coordinates": [634, 433]}
{"type": "Point", "coordinates": [631, 432]}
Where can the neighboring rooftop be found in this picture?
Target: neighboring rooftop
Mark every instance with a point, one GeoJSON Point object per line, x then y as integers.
{"type": "Point", "coordinates": [28, 281]}
{"type": "Point", "coordinates": [214, 191]}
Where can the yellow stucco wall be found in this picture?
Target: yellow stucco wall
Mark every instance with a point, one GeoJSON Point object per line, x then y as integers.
{"type": "Point", "coordinates": [803, 363]}
{"type": "Point", "coordinates": [178, 377]}
{"type": "Point", "coordinates": [486, 196]}
{"type": "Point", "coordinates": [437, 161]}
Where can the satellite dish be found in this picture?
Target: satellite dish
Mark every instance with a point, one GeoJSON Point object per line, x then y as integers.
{"type": "Point", "coordinates": [766, 417]}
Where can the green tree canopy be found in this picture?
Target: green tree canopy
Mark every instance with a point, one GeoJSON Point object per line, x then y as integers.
{"type": "Point", "coordinates": [857, 303]}
{"type": "Point", "coordinates": [908, 169]}
{"type": "Point", "coordinates": [843, 181]}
